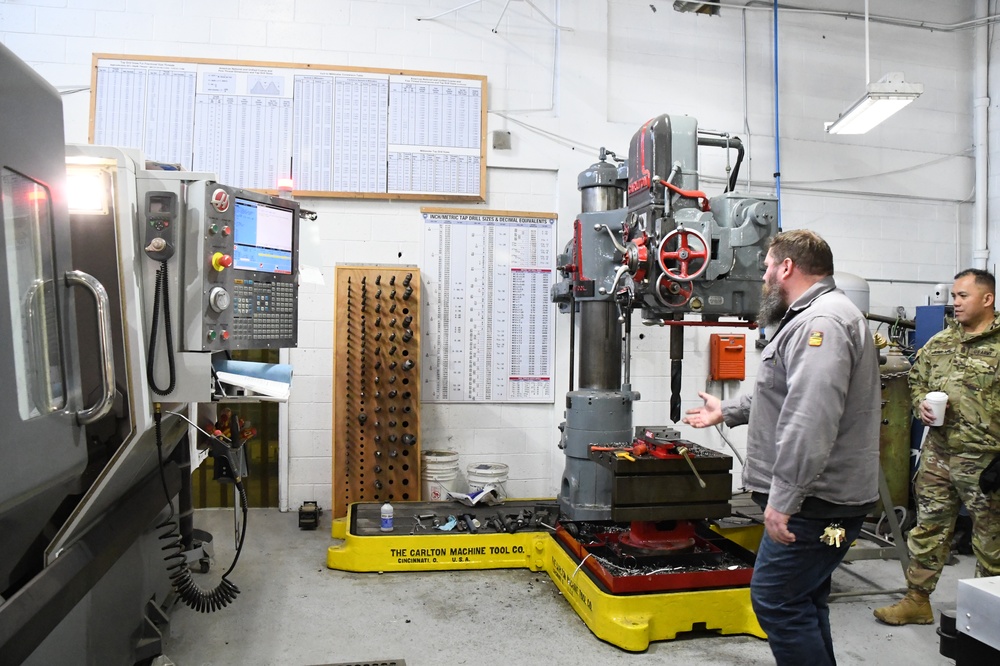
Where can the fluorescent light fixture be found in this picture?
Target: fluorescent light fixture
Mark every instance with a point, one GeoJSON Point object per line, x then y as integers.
{"type": "Point", "coordinates": [710, 8]}
{"type": "Point", "coordinates": [884, 98]}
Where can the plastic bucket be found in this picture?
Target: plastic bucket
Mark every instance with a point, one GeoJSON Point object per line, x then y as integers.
{"type": "Point", "coordinates": [481, 475]}
{"type": "Point", "coordinates": [439, 470]}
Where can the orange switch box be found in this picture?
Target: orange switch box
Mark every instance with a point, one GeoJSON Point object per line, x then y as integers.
{"type": "Point", "coordinates": [728, 356]}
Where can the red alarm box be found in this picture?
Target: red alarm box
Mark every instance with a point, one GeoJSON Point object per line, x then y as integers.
{"type": "Point", "coordinates": [728, 356]}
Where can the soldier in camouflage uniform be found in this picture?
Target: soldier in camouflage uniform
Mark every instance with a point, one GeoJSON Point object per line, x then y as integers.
{"type": "Point", "coordinates": [963, 361]}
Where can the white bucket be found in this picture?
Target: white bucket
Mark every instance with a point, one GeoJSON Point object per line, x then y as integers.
{"type": "Point", "coordinates": [439, 470]}
{"type": "Point", "coordinates": [481, 475]}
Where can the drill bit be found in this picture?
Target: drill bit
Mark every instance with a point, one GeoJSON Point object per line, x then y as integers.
{"type": "Point", "coordinates": [676, 354]}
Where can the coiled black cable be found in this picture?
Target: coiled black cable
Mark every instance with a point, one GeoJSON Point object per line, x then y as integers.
{"type": "Point", "coordinates": [177, 567]}
{"type": "Point", "coordinates": [162, 285]}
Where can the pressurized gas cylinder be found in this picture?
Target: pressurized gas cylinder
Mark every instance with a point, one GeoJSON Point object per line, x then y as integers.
{"type": "Point", "coordinates": [894, 436]}
{"type": "Point", "coordinates": [855, 288]}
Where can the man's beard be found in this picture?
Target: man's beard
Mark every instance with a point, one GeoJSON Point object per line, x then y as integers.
{"type": "Point", "coordinates": [773, 305]}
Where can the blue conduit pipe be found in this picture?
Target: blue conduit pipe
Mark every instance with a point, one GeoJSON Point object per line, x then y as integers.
{"type": "Point", "coordinates": [777, 142]}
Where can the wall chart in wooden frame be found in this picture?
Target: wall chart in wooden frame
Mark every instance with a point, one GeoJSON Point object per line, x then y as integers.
{"type": "Point", "coordinates": [351, 132]}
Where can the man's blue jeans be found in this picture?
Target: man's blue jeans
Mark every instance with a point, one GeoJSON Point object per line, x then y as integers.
{"type": "Point", "coordinates": [790, 587]}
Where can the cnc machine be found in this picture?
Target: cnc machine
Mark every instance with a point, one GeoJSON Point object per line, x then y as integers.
{"type": "Point", "coordinates": [101, 386]}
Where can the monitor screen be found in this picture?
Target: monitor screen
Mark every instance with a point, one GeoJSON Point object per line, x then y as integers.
{"type": "Point", "coordinates": [263, 237]}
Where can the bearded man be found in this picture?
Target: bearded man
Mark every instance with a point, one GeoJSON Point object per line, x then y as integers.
{"type": "Point", "coordinates": [812, 444]}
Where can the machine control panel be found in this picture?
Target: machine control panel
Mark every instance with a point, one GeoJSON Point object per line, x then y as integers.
{"type": "Point", "coordinates": [160, 211]}
{"type": "Point", "coordinates": [243, 254]}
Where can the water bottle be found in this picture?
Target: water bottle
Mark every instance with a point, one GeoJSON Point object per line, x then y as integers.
{"type": "Point", "coordinates": [386, 517]}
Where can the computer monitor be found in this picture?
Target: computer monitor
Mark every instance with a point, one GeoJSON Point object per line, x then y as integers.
{"type": "Point", "coordinates": [263, 237]}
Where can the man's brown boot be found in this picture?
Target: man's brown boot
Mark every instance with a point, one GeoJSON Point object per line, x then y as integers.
{"type": "Point", "coordinates": [914, 608]}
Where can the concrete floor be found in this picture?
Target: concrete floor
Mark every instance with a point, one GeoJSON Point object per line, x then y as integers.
{"type": "Point", "coordinates": [293, 610]}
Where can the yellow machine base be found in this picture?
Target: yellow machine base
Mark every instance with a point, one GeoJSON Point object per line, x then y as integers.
{"type": "Point", "coordinates": [630, 621]}
{"type": "Point", "coordinates": [409, 548]}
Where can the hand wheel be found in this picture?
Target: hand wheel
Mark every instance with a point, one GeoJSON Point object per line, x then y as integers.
{"type": "Point", "coordinates": [684, 263]}
{"type": "Point", "coordinates": [672, 294]}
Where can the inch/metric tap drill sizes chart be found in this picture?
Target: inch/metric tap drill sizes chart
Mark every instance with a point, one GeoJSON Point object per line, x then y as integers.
{"type": "Point", "coordinates": [488, 319]}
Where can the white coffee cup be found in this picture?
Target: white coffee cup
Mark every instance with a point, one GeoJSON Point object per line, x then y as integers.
{"type": "Point", "coordinates": [938, 402]}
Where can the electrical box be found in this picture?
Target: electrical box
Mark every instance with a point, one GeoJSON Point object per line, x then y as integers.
{"type": "Point", "coordinates": [930, 320]}
{"type": "Point", "coordinates": [728, 356]}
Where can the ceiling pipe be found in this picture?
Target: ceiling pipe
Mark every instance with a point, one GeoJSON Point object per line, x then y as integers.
{"type": "Point", "coordinates": [765, 5]}
{"type": "Point", "coordinates": [980, 223]}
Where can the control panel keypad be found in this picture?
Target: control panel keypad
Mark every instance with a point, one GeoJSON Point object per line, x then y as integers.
{"type": "Point", "coordinates": [263, 310]}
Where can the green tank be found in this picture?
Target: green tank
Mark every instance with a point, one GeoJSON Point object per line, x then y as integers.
{"type": "Point", "coordinates": [894, 436]}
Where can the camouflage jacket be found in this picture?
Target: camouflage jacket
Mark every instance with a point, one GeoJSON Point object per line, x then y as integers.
{"type": "Point", "coordinates": [967, 368]}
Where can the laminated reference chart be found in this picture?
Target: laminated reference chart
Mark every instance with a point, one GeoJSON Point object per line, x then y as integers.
{"type": "Point", "coordinates": [435, 135]}
{"type": "Point", "coordinates": [336, 131]}
{"type": "Point", "coordinates": [488, 320]}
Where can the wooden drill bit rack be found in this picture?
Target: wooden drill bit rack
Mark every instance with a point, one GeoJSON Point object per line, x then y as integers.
{"type": "Point", "coordinates": [376, 386]}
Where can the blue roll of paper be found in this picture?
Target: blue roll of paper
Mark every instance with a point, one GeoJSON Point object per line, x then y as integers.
{"type": "Point", "coordinates": [265, 381]}
{"type": "Point", "coordinates": [274, 372]}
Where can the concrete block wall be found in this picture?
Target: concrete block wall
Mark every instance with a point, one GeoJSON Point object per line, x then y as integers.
{"type": "Point", "coordinates": [894, 204]}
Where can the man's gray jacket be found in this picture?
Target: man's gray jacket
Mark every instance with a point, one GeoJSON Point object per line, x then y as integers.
{"type": "Point", "coordinates": [815, 412]}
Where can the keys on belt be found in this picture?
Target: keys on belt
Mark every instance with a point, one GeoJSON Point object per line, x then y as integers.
{"type": "Point", "coordinates": [833, 535]}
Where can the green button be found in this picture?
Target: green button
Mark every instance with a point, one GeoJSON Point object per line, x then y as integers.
{"type": "Point", "coordinates": [211, 335]}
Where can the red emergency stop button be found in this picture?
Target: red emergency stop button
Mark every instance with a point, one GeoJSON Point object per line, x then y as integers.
{"type": "Point", "coordinates": [221, 262]}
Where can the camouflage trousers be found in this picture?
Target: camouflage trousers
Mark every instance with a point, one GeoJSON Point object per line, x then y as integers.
{"type": "Point", "coordinates": [943, 481]}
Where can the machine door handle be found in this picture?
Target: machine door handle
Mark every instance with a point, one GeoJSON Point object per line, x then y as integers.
{"type": "Point", "coordinates": [103, 405]}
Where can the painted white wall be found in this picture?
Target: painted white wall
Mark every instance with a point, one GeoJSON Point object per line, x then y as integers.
{"type": "Point", "coordinates": [894, 204]}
